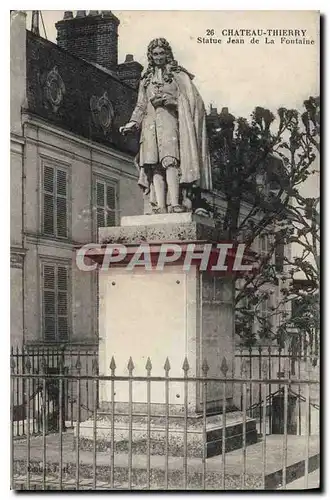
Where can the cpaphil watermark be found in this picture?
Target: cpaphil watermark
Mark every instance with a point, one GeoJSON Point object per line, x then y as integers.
{"type": "Point", "coordinates": [219, 257]}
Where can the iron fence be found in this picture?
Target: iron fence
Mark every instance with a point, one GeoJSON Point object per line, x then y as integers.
{"type": "Point", "coordinates": [50, 360]}
{"type": "Point", "coordinates": [297, 362]}
{"type": "Point", "coordinates": [132, 442]}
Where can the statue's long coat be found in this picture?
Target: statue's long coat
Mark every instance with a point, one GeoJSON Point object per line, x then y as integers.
{"type": "Point", "coordinates": [193, 145]}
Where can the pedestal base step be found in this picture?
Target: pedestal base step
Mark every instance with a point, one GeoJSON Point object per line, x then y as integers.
{"type": "Point", "coordinates": [169, 434]}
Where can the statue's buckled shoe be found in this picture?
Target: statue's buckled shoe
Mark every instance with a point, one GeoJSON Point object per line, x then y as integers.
{"type": "Point", "coordinates": [159, 210]}
{"type": "Point", "coordinates": [178, 209]}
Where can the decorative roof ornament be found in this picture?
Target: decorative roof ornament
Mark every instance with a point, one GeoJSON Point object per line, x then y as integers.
{"type": "Point", "coordinates": [68, 14]}
{"type": "Point", "coordinates": [102, 111]}
{"type": "Point", "coordinates": [129, 58]}
{"type": "Point", "coordinates": [54, 89]}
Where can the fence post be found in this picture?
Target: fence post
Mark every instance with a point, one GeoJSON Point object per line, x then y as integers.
{"type": "Point", "coordinates": [185, 368]}
{"type": "Point", "coordinates": [264, 413]}
{"type": "Point", "coordinates": [307, 428]}
{"type": "Point", "coordinates": [270, 385]}
{"type": "Point", "coordinates": [44, 397]}
{"type": "Point", "coordinates": [205, 369]}
{"type": "Point", "coordinates": [224, 370]}
{"type": "Point", "coordinates": [60, 423]}
{"type": "Point", "coordinates": [259, 375]}
{"type": "Point", "coordinates": [95, 383]}
{"type": "Point", "coordinates": [78, 368]}
{"type": "Point", "coordinates": [148, 368]}
{"type": "Point", "coordinates": [112, 464]}
{"type": "Point", "coordinates": [251, 373]}
{"type": "Point", "coordinates": [130, 367]}
{"type": "Point", "coordinates": [244, 397]}
{"type": "Point", "coordinates": [12, 401]}
{"type": "Point", "coordinates": [17, 388]}
{"type": "Point", "coordinates": [28, 445]}
{"type": "Point", "coordinates": [167, 368]}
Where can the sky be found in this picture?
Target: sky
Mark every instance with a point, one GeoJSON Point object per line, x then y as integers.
{"type": "Point", "coordinates": [238, 76]}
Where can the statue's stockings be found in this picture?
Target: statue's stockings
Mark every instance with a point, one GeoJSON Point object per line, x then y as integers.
{"type": "Point", "coordinates": [167, 177]}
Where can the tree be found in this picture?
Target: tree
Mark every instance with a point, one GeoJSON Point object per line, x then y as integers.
{"type": "Point", "coordinates": [261, 164]}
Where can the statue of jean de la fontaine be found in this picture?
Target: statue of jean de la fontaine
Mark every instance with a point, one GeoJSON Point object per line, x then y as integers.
{"type": "Point", "coordinates": [173, 158]}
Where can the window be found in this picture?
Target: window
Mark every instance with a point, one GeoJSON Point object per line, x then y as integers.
{"type": "Point", "coordinates": [265, 320]}
{"type": "Point", "coordinates": [55, 302]}
{"type": "Point", "coordinates": [263, 249]}
{"type": "Point", "coordinates": [279, 252]}
{"type": "Point", "coordinates": [264, 308]}
{"type": "Point", "coordinates": [106, 203]}
{"type": "Point", "coordinates": [55, 202]}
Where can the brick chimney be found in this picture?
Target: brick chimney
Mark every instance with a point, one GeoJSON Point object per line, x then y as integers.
{"type": "Point", "coordinates": [93, 37]}
{"type": "Point", "coordinates": [130, 71]}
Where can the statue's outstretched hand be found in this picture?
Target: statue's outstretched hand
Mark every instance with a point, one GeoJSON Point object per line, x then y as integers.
{"type": "Point", "coordinates": [129, 127]}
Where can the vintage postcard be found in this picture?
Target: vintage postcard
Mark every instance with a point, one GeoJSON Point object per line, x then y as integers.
{"type": "Point", "coordinates": [165, 250]}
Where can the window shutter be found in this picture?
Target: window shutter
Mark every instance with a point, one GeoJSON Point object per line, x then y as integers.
{"type": "Point", "coordinates": [49, 302]}
{"type": "Point", "coordinates": [111, 205]}
{"type": "Point", "coordinates": [105, 204]}
{"type": "Point", "coordinates": [61, 204]}
{"type": "Point", "coordinates": [100, 218]}
{"type": "Point", "coordinates": [279, 252]}
{"type": "Point", "coordinates": [61, 209]}
{"type": "Point", "coordinates": [100, 199]}
{"type": "Point", "coordinates": [61, 183]}
{"type": "Point", "coordinates": [48, 209]}
{"type": "Point", "coordinates": [100, 194]}
{"type": "Point", "coordinates": [49, 179]}
{"type": "Point", "coordinates": [55, 202]}
{"type": "Point", "coordinates": [55, 302]}
{"type": "Point", "coordinates": [62, 303]}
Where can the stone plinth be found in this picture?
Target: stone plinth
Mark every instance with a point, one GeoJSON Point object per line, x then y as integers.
{"type": "Point", "coordinates": [170, 313]}
{"type": "Point", "coordinates": [161, 228]}
{"type": "Point", "coordinates": [176, 432]}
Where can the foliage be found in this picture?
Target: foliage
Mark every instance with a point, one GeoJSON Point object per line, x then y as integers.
{"type": "Point", "coordinates": [260, 166]}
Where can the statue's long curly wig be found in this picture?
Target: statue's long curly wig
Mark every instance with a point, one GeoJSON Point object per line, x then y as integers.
{"type": "Point", "coordinates": [171, 64]}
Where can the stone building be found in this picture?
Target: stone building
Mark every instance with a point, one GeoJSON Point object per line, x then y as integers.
{"type": "Point", "coordinates": [71, 170]}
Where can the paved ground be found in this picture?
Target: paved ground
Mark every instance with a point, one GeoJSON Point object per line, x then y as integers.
{"type": "Point", "coordinates": [234, 460]}
{"type": "Point", "coordinates": [299, 484]}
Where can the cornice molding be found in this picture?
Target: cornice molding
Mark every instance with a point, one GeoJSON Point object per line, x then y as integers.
{"type": "Point", "coordinates": [29, 118]}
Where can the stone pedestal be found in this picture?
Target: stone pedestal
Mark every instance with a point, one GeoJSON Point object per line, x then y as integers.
{"type": "Point", "coordinates": [171, 313]}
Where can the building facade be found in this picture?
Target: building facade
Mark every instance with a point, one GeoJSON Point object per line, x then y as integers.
{"type": "Point", "coordinates": [71, 172]}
